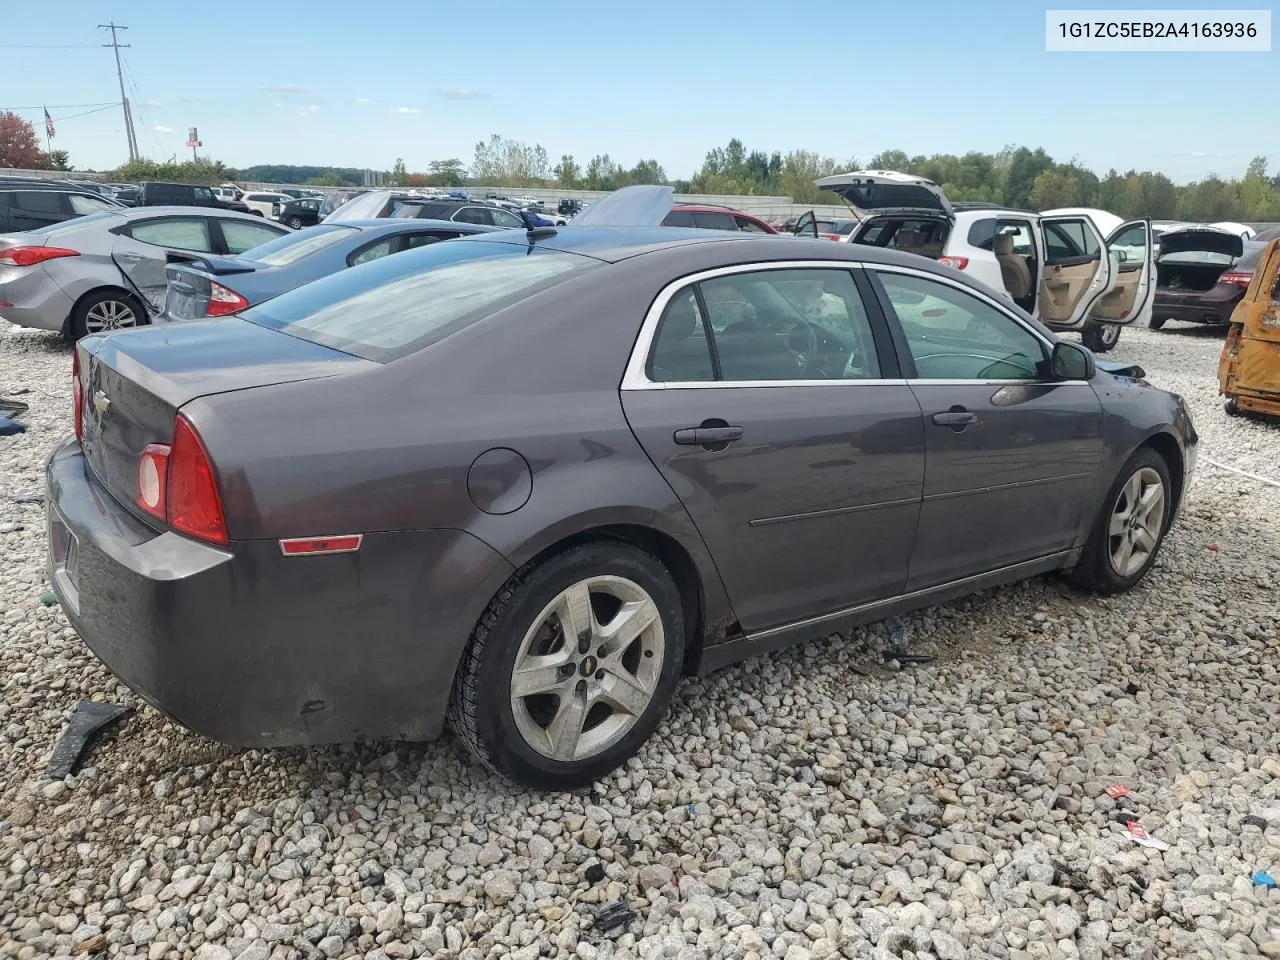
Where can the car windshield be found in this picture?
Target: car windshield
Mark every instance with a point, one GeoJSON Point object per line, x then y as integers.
{"type": "Point", "coordinates": [292, 247]}
{"type": "Point", "coordinates": [394, 306]}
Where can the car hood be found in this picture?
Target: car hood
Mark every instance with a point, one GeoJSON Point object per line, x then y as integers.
{"type": "Point", "coordinates": [881, 191]}
{"type": "Point", "coordinates": [1200, 239]}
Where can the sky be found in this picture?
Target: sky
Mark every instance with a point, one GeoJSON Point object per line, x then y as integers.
{"type": "Point", "coordinates": [319, 83]}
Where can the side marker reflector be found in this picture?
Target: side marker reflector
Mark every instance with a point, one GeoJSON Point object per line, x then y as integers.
{"type": "Point", "coordinates": [307, 546]}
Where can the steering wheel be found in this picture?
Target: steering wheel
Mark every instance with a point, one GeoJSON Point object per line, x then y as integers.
{"type": "Point", "coordinates": [810, 352]}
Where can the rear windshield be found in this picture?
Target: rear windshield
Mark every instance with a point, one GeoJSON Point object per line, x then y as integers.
{"type": "Point", "coordinates": [394, 306]}
{"type": "Point", "coordinates": [292, 247]}
{"type": "Point", "coordinates": [73, 224]}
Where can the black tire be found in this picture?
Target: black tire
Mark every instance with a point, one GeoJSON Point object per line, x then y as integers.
{"type": "Point", "coordinates": [295, 222]}
{"type": "Point", "coordinates": [1094, 570]}
{"type": "Point", "coordinates": [1231, 408]}
{"type": "Point", "coordinates": [1155, 323]}
{"type": "Point", "coordinates": [79, 322]}
{"type": "Point", "coordinates": [1100, 337]}
{"type": "Point", "coordinates": [481, 712]}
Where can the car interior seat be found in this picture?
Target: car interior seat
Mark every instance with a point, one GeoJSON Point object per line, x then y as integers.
{"type": "Point", "coordinates": [1013, 268]}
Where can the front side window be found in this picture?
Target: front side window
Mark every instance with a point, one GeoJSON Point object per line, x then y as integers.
{"type": "Point", "coordinates": [415, 240]}
{"type": "Point", "coordinates": [204, 194]}
{"type": "Point", "coordinates": [182, 233]}
{"type": "Point", "coordinates": [747, 225]}
{"type": "Point", "coordinates": [1066, 239]}
{"type": "Point", "coordinates": [242, 235]}
{"type": "Point", "coordinates": [507, 219]}
{"type": "Point", "coordinates": [678, 218]}
{"type": "Point", "coordinates": [767, 325]}
{"type": "Point", "coordinates": [473, 215]}
{"type": "Point", "coordinates": [39, 201]}
{"type": "Point", "coordinates": [82, 205]}
{"type": "Point", "coordinates": [714, 221]}
{"type": "Point", "coordinates": [954, 335]}
{"type": "Point", "coordinates": [397, 305]}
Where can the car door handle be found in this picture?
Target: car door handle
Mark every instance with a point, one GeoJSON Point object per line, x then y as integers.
{"type": "Point", "coordinates": [713, 434]}
{"type": "Point", "coordinates": [957, 418]}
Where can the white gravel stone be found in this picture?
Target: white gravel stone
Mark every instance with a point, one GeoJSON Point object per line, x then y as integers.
{"type": "Point", "coordinates": [806, 804]}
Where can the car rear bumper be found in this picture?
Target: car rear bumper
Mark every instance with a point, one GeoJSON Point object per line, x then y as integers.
{"type": "Point", "coordinates": [34, 298]}
{"type": "Point", "coordinates": [1205, 309]}
{"type": "Point", "coordinates": [252, 648]}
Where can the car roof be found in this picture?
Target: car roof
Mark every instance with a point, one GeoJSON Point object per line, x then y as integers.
{"type": "Point", "coordinates": [142, 213]}
{"type": "Point", "coordinates": [401, 224]}
{"type": "Point", "coordinates": [614, 244]}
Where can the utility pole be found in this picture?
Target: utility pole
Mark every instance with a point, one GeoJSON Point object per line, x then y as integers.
{"type": "Point", "coordinates": [130, 136]}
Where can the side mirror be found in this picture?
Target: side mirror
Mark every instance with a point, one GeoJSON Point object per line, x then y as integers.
{"type": "Point", "coordinates": [1070, 362]}
{"type": "Point", "coordinates": [1121, 255]}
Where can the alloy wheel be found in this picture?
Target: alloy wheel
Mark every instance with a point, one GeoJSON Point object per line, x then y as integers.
{"type": "Point", "coordinates": [1136, 522]}
{"type": "Point", "coordinates": [109, 315]}
{"type": "Point", "coordinates": [588, 668]}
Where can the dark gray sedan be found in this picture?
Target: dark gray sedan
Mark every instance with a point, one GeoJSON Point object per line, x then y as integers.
{"type": "Point", "coordinates": [522, 482]}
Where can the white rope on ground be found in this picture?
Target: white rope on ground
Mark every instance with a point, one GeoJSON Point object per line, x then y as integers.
{"type": "Point", "coordinates": [1244, 473]}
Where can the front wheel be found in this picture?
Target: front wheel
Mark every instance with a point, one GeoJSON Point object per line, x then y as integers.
{"type": "Point", "coordinates": [571, 667]}
{"type": "Point", "coordinates": [1127, 534]}
{"type": "Point", "coordinates": [295, 222]}
{"type": "Point", "coordinates": [1100, 337]}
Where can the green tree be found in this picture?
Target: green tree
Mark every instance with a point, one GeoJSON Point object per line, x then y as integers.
{"type": "Point", "coordinates": [647, 171]}
{"type": "Point", "coordinates": [447, 173]}
{"type": "Point", "coordinates": [327, 180]}
{"type": "Point", "coordinates": [59, 160]}
{"type": "Point", "coordinates": [602, 173]}
{"type": "Point", "coordinates": [398, 172]}
{"type": "Point", "coordinates": [1053, 188]}
{"type": "Point", "coordinates": [566, 172]}
{"type": "Point", "coordinates": [190, 171]}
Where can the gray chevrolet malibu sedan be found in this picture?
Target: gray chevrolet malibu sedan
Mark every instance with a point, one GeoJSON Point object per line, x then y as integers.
{"type": "Point", "coordinates": [521, 482]}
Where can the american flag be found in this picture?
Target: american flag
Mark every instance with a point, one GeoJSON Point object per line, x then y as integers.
{"type": "Point", "coordinates": [48, 122]}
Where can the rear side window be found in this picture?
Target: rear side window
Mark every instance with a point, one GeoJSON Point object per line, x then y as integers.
{"type": "Point", "coordinates": [242, 235]}
{"type": "Point", "coordinates": [39, 201]}
{"type": "Point", "coordinates": [749, 226]}
{"type": "Point", "coordinates": [982, 233]}
{"type": "Point", "coordinates": [479, 215]}
{"type": "Point", "coordinates": [160, 194]}
{"type": "Point", "coordinates": [678, 218]}
{"type": "Point", "coordinates": [293, 247]}
{"type": "Point", "coordinates": [714, 221]}
{"type": "Point", "coordinates": [398, 305]}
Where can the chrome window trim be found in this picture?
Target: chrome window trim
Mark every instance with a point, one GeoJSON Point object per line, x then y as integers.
{"type": "Point", "coordinates": [634, 376]}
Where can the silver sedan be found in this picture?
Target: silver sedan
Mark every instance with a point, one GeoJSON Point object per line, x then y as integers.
{"type": "Point", "coordinates": [106, 271]}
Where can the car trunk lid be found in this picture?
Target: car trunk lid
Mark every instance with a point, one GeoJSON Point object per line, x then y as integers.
{"type": "Point", "coordinates": [135, 383]}
{"type": "Point", "coordinates": [887, 191]}
{"type": "Point", "coordinates": [1201, 239]}
{"type": "Point", "coordinates": [190, 278]}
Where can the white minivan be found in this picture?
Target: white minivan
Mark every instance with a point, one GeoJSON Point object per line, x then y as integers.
{"type": "Point", "coordinates": [1060, 268]}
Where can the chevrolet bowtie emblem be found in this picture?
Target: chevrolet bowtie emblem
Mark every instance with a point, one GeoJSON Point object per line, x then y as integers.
{"type": "Point", "coordinates": [101, 402]}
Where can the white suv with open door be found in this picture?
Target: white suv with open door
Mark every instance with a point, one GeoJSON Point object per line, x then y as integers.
{"type": "Point", "coordinates": [1060, 268]}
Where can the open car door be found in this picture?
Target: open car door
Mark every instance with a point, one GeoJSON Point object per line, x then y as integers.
{"type": "Point", "coordinates": [1249, 368]}
{"type": "Point", "coordinates": [807, 225]}
{"type": "Point", "coordinates": [1132, 252]}
{"type": "Point", "coordinates": [1077, 271]}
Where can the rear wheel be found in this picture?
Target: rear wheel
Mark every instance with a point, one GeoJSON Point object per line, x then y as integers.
{"type": "Point", "coordinates": [571, 666]}
{"type": "Point", "coordinates": [105, 311]}
{"type": "Point", "coordinates": [1127, 534]}
{"type": "Point", "coordinates": [295, 222]}
{"type": "Point", "coordinates": [1155, 323]}
{"type": "Point", "coordinates": [1100, 337]}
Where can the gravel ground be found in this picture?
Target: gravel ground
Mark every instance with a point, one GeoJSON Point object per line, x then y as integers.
{"type": "Point", "coordinates": [812, 804]}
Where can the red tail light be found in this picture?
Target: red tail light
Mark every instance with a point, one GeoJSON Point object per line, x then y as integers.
{"type": "Point", "coordinates": [958, 262]}
{"type": "Point", "coordinates": [30, 256]}
{"type": "Point", "coordinates": [77, 394]}
{"type": "Point", "coordinates": [224, 300]}
{"type": "Point", "coordinates": [1236, 279]}
{"type": "Point", "coordinates": [176, 484]}
{"type": "Point", "coordinates": [194, 506]}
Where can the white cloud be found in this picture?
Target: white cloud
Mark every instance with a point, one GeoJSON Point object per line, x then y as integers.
{"type": "Point", "coordinates": [313, 108]}
{"type": "Point", "coordinates": [461, 93]}
{"type": "Point", "coordinates": [405, 110]}
{"type": "Point", "coordinates": [161, 128]}
{"type": "Point", "coordinates": [285, 87]}
{"type": "Point", "coordinates": [362, 102]}
{"type": "Point", "coordinates": [152, 103]}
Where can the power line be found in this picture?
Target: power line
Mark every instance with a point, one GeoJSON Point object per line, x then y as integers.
{"type": "Point", "coordinates": [65, 106]}
{"type": "Point", "coordinates": [109, 106]}
{"type": "Point", "coordinates": [47, 46]}
{"type": "Point", "coordinates": [146, 114]}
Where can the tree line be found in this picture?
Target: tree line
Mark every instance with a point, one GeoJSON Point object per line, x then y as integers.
{"type": "Point", "coordinates": [1015, 176]}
